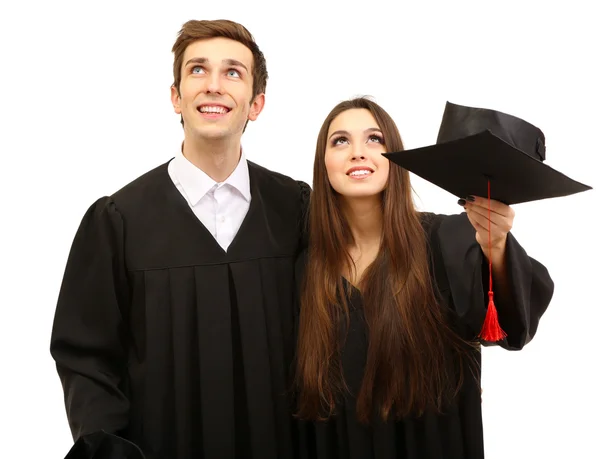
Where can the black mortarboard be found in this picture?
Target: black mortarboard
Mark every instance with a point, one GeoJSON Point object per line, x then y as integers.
{"type": "Point", "coordinates": [484, 152]}
{"type": "Point", "coordinates": [477, 144]}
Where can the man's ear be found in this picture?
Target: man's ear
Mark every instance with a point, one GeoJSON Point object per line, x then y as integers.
{"type": "Point", "coordinates": [175, 99]}
{"type": "Point", "coordinates": [256, 107]}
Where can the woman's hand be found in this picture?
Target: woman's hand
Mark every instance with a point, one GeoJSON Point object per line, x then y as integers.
{"type": "Point", "coordinates": [501, 217]}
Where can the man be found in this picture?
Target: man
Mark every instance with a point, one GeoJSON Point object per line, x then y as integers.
{"type": "Point", "coordinates": [173, 329]}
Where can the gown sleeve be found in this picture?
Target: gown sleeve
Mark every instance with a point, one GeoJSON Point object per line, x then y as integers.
{"type": "Point", "coordinates": [88, 334]}
{"type": "Point", "coordinates": [305, 192]}
{"type": "Point", "coordinates": [102, 445]}
{"type": "Point", "coordinates": [462, 276]}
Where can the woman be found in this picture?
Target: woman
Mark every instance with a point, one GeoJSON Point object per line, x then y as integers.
{"type": "Point", "coordinates": [392, 301]}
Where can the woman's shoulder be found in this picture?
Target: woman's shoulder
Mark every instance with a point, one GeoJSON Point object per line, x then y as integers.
{"type": "Point", "coordinates": [431, 221]}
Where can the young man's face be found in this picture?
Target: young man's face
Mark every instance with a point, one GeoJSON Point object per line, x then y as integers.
{"type": "Point", "coordinates": [215, 93]}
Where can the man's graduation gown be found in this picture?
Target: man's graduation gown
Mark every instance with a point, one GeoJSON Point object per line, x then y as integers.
{"type": "Point", "coordinates": [164, 340]}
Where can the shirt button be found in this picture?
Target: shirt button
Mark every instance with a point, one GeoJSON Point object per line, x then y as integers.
{"type": "Point", "coordinates": [221, 219]}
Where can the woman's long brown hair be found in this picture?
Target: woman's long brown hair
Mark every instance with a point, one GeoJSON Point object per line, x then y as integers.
{"type": "Point", "coordinates": [412, 363]}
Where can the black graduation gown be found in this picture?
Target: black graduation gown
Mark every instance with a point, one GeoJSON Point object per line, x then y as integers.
{"type": "Point", "coordinates": [164, 340]}
{"type": "Point", "coordinates": [461, 277]}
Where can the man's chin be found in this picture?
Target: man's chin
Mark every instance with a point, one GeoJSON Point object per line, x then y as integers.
{"type": "Point", "coordinates": [212, 133]}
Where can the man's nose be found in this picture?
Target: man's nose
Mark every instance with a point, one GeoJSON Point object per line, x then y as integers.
{"type": "Point", "coordinates": [214, 83]}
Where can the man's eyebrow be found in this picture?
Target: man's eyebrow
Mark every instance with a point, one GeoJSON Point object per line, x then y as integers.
{"type": "Point", "coordinates": [235, 63]}
{"type": "Point", "coordinates": [204, 60]}
{"type": "Point", "coordinates": [196, 60]}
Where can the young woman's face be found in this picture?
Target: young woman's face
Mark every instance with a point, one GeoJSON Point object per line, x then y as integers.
{"type": "Point", "coordinates": [355, 166]}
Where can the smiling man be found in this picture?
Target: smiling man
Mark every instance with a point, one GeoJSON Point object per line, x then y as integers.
{"type": "Point", "coordinates": [173, 329]}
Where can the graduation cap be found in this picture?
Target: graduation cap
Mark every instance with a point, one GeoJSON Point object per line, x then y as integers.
{"type": "Point", "coordinates": [484, 152]}
{"type": "Point", "coordinates": [477, 145]}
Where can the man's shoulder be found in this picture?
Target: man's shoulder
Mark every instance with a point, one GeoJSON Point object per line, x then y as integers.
{"type": "Point", "coordinates": [144, 185]}
{"type": "Point", "coordinates": [269, 174]}
{"type": "Point", "coordinates": [276, 180]}
{"type": "Point", "coordinates": [133, 196]}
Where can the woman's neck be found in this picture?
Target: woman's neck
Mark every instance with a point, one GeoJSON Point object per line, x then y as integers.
{"type": "Point", "coordinates": [365, 220]}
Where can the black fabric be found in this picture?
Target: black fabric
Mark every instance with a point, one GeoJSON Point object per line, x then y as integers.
{"type": "Point", "coordinates": [167, 341]}
{"type": "Point", "coordinates": [459, 273]}
{"type": "Point", "coordinates": [102, 445]}
{"type": "Point", "coordinates": [476, 144]}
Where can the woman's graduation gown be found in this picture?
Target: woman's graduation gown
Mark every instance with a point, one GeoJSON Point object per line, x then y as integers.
{"type": "Point", "coordinates": [461, 276]}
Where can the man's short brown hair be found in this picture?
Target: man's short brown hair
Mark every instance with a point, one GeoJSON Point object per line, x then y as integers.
{"type": "Point", "coordinates": [195, 30]}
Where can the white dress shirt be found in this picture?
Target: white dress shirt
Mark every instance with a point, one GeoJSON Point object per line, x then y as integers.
{"type": "Point", "coordinates": [221, 207]}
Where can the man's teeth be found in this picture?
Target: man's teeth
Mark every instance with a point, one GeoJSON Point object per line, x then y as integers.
{"type": "Point", "coordinates": [361, 172]}
{"type": "Point", "coordinates": [209, 109]}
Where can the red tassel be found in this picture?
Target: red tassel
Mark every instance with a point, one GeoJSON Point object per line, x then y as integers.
{"type": "Point", "coordinates": [491, 331]}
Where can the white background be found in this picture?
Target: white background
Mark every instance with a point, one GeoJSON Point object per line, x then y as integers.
{"type": "Point", "coordinates": [86, 109]}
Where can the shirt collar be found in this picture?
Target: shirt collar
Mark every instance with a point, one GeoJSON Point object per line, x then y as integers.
{"type": "Point", "coordinates": [196, 183]}
{"type": "Point", "coordinates": [240, 177]}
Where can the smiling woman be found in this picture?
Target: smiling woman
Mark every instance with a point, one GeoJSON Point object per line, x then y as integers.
{"type": "Point", "coordinates": [391, 304]}
{"type": "Point", "coordinates": [353, 154]}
